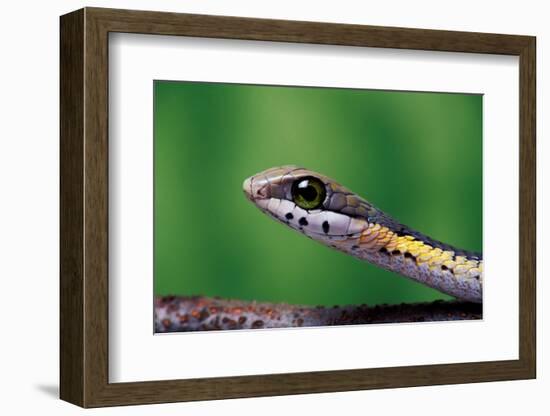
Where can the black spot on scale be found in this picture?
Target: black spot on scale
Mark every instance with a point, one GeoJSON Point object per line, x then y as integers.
{"type": "Point", "coordinates": [409, 255]}
{"type": "Point", "coordinates": [303, 222]}
{"type": "Point", "coordinates": [396, 252]}
{"type": "Point", "coordinates": [401, 232]}
{"type": "Point", "coordinates": [384, 250]}
{"type": "Point", "coordinates": [289, 215]}
{"type": "Point", "coordinates": [445, 268]}
{"type": "Point", "coordinates": [326, 227]}
{"type": "Point", "coordinates": [354, 247]}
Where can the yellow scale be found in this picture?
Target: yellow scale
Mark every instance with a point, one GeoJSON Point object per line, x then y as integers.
{"type": "Point", "coordinates": [376, 237]}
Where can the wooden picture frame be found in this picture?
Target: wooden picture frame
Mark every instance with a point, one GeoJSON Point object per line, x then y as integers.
{"type": "Point", "coordinates": [84, 207]}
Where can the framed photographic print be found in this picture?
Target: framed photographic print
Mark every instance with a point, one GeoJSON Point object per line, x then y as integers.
{"type": "Point", "coordinates": [256, 207]}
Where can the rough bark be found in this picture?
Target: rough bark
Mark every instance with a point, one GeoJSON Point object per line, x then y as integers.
{"type": "Point", "coordinates": [197, 313]}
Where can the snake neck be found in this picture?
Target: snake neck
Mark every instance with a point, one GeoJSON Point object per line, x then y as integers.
{"type": "Point", "coordinates": [456, 272]}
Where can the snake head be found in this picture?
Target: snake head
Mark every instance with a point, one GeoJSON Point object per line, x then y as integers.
{"type": "Point", "coordinates": [307, 201]}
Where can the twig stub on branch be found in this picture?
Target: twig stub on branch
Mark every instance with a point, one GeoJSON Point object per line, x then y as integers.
{"type": "Point", "coordinates": [197, 313]}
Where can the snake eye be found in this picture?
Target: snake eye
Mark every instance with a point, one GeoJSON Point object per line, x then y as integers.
{"type": "Point", "coordinates": [308, 193]}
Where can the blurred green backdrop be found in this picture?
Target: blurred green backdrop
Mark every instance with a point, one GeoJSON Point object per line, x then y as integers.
{"type": "Point", "coordinates": [418, 156]}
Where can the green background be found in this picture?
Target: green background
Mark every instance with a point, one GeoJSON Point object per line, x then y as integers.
{"type": "Point", "coordinates": [417, 156]}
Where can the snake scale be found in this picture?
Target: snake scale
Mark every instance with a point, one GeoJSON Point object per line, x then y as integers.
{"type": "Point", "coordinates": [326, 211]}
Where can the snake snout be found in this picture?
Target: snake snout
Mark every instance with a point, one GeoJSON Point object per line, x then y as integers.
{"type": "Point", "coordinates": [256, 188]}
{"type": "Point", "coordinates": [247, 188]}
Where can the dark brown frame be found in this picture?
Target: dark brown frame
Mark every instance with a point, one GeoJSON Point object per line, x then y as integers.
{"type": "Point", "coordinates": [84, 213]}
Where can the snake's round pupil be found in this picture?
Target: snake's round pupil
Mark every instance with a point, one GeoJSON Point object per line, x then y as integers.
{"type": "Point", "coordinates": [308, 193]}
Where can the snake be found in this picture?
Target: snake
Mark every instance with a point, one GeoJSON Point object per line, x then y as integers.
{"type": "Point", "coordinates": [325, 211]}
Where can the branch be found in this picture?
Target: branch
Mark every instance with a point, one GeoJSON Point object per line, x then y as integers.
{"type": "Point", "coordinates": [197, 313]}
